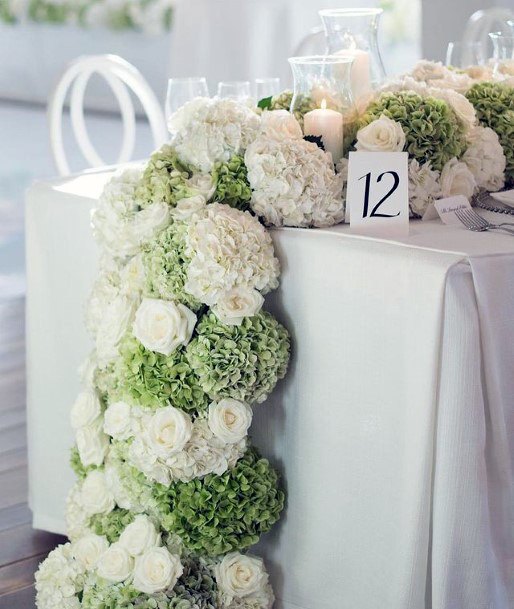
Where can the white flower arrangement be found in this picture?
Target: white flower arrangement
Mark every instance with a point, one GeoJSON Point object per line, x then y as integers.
{"type": "Point", "coordinates": [59, 579]}
{"type": "Point", "coordinates": [485, 159]}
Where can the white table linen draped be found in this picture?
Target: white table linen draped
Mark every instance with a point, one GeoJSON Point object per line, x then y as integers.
{"type": "Point", "coordinates": [394, 427]}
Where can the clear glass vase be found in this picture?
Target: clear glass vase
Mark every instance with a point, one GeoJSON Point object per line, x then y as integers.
{"type": "Point", "coordinates": [503, 55]}
{"type": "Point", "coordinates": [354, 33]}
{"type": "Point", "coordinates": [322, 98]}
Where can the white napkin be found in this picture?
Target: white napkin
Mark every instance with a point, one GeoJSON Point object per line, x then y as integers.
{"type": "Point", "coordinates": [506, 197]}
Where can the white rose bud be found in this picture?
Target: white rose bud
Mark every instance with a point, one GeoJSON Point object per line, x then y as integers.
{"type": "Point", "coordinates": [95, 496]}
{"type": "Point", "coordinates": [163, 326]}
{"type": "Point", "coordinates": [140, 535]}
{"type": "Point", "coordinates": [229, 420]}
{"type": "Point", "coordinates": [239, 575]}
{"type": "Point", "coordinates": [115, 564]}
{"type": "Point", "coordinates": [92, 444]}
{"type": "Point", "coordinates": [150, 221]}
{"type": "Point", "coordinates": [156, 570]}
{"type": "Point", "coordinates": [117, 421]}
{"type": "Point", "coordinates": [457, 179]}
{"type": "Point", "coordinates": [382, 135]}
{"type": "Point", "coordinates": [236, 304]}
{"type": "Point", "coordinates": [168, 431]}
{"type": "Point", "coordinates": [186, 209]}
{"type": "Point", "coordinates": [280, 124]}
{"type": "Point", "coordinates": [85, 410]}
{"type": "Point", "coordinates": [88, 550]}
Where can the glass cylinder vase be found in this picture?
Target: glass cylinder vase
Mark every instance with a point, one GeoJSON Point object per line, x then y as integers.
{"type": "Point", "coordinates": [354, 33]}
{"type": "Point", "coordinates": [322, 98]}
{"type": "Point", "coordinates": [503, 55]}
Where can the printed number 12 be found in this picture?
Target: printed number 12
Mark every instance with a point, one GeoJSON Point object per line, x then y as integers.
{"type": "Point", "coordinates": [374, 214]}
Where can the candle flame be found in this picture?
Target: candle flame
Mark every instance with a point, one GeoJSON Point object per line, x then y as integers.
{"type": "Point", "coordinates": [323, 104]}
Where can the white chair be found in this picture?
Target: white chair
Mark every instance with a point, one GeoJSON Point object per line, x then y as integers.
{"type": "Point", "coordinates": [488, 20]}
{"type": "Point", "coordinates": [122, 77]}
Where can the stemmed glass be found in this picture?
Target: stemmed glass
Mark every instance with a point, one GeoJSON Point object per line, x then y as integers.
{"type": "Point", "coordinates": [465, 54]}
{"type": "Point", "coordinates": [182, 90]}
{"type": "Point", "coordinates": [234, 89]}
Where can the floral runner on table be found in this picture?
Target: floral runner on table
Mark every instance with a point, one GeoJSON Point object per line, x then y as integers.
{"type": "Point", "coordinates": [171, 494]}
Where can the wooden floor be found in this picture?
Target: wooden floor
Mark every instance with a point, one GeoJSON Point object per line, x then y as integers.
{"type": "Point", "coordinates": [21, 547]}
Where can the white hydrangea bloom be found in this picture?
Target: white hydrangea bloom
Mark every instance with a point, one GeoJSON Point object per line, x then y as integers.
{"type": "Point", "coordinates": [118, 223]}
{"type": "Point", "coordinates": [59, 579]}
{"type": "Point", "coordinates": [228, 249]}
{"type": "Point", "coordinates": [206, 131]}
{"type": "Point", "coordinates": [424, 186]}
{"type": "Point", "coordinates": [293, 183]}
{"type": "Point", "coordinates": [76, 518]}
{"type": "Point", "coordinates": [485, 159]}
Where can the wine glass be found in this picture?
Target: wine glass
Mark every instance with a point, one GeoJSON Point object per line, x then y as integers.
{"type": "Point", "coordinates": [266, 87]}
{"type": "Point", "coordinates": [238, 90]}
{"type": "Point", "coordinates": [182, 90]}
{"type": "Point", "coordinates": [465, 54]}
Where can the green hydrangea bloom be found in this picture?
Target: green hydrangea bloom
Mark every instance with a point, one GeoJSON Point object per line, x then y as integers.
{"type": "Point", "coordinates": [112, 524]}
{"type": "Point", "coordinates": [151, 379]}
{"type": "Point", "coordinates": [242, 362]}
{"type": "Point", "coordinates": [164, 178]}
{"type": "Point", "coordinates": [81, 471]}
{"type": "Point", "coordinates": [232, 186]}
{"type": "Point", "coordinates": [283, 101]}
{"type": "Point", "coordinates": [220, 514]}
{"type": "Point", "coordinates": [432, 130]}
{"type": "Point", "coordinates": [165, 263]}
{"type": "Point", "coordinates": [494, 105]}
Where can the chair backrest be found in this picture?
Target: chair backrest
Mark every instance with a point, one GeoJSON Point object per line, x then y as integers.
{"type": "Point", "coordinates": [122, 77]}
{"type": "Point", "coordinates": [313, 43]}
{"type": "Point", "coordinates": [481, 23]}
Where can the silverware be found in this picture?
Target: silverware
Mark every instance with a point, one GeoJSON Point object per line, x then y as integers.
{"type": "Point", "coordinates": [476, 222]}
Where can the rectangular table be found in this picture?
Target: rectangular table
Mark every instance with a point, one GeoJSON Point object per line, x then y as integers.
{"type": "Point", "coordinates": [394, 428]}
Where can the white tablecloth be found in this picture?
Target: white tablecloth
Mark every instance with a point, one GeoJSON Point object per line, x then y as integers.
{"type": "Point", "coordinates": [394, 428]}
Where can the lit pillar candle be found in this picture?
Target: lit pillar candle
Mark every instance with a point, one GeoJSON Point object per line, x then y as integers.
{"type": "Point", "coordinates": [329, 125]}
{"type": "Point", "coordinates": [360, 74]}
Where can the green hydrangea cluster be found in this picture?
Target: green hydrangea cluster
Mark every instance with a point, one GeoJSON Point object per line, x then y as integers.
{"type": "Point", "coordinates": [494, 105]}
{"type": "Point", "coordinates": [164, 178]}
{"type": "Point", "coordinates": [165, 263]}
{"type": "Point", "coordinates": [432, 130]}
{"type": "Point", "coordinates": [284, 100]}
{"type": "Point", "coordinates": [220, 514]}
{"type": "Point", "coordinates": [242, 362]}
{"type": "Point", "coordinates": [151, 379]}
{"type": "Point", "coordinates": [232, 186]}
{"type": "Point", "coordinates": [112, 524]}
{"type": "Point", "coordinates": [81, 471]}
{"type": "Point", "coordinates": [100, 594]}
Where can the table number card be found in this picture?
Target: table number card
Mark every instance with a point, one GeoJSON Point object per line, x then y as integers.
{"type": "Point", "coordinates": [378, 193]}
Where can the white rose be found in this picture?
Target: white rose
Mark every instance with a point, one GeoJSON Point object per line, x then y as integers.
{"type": "Point", "coordinates": [236, 304]}
{"type": "Point", "coordinates": [163, 326]}
{"type": "Point", "coordinates": [140, 535]}
{"type": "Point", "coordinates": [95, 495]}
{"type": "Point", "coordinates": [239, 575]}
{"type": "Point", "coordinates": [186, 209]}
{"type": "Point", "coordinates": [382, 135]}
{"type": "Point", "coordinates": [92, 444]}
{"type": "Point", "coordinates": [121, 495]}
{"type": "Point", "coordinates": [462, 107]}
{"type": "Point", "coordinates": [115, 320]}
{"type": "Point", "coordinates": [156, 570]}
{"type": "Point", "coordinates": [168, 431]}
{"type": "Point", "coordinates": [280, 124]}
{"type": "Point", "coordinates": [150, 221]}
{"type": "Point", "coordinates": [117, 421]}
{"type": "Point", "coordinates": [88, 549]}
{"type": "Point", "coordinates": [115, 564]}
{"type": "Point", "coordinates": [229, 420]}
{"type": "Point", "coordinates": [85, 410]}
{"type": "Point", "coordinates": [133, 275]}
{"type": "Point", "coordinates": [457, 179]}
{"type": "Point", "coordinates": [203, 184]}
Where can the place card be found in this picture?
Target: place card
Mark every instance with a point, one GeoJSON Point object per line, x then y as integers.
{"type": "Point", "coordinates": [378, 193]}
{"type": "Point", "coordinates": [447, 207]}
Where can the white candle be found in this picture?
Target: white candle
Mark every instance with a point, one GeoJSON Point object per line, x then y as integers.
{"type": "Point", "coordinates": [329, 125]}
{"type": "Point", "coordinates": [360, 76]}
